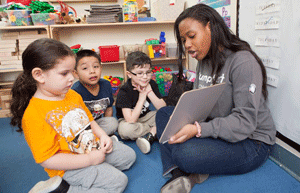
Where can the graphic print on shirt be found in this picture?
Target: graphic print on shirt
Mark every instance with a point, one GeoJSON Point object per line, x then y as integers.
{"type": "Point", "coordinates": [74, 126]}
{"type": "Point", "coordinates": [97, 107]}
{"type": "Point", "coordinates": [145, 108]}
{"type": "Point", "coordinates": [207, 80]}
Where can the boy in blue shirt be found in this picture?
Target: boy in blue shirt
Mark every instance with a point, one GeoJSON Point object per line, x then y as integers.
{"type": "Point", "coordinates": [95, 91]}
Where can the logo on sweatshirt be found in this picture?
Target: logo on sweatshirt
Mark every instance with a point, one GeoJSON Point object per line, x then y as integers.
{"type": "Point", "coordinates": [252, 88]}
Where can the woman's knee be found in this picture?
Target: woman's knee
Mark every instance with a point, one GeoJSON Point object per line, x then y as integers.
{"type": "Point", "coordinates": [162, 118]}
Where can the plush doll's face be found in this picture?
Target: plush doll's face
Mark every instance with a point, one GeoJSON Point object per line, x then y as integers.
{"type": "Point", "coordinates": [84, 142]}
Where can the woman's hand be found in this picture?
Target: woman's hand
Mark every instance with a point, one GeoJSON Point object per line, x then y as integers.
{"type": "Point", "coordinates": [106, 143]}
{"type": "Point", "coordinates": [184, 134]}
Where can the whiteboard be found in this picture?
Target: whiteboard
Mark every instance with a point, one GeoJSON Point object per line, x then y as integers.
{"type": "Point", "coordinates": [272, 28]}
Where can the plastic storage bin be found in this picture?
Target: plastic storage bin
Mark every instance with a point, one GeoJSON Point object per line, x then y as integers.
{"type": "Point", "coordinates": [157, 50]}
{"type": "Point", "coordinates": [19, 17]}
{"type": "Point", "coordinates": [109, 53]}
{"type": "Point", "coordinates": [172, 50]}
{"type": "Point", "coordinates": [164, 81]}
{"type": "Point", "coordinates": [132, 48]}
{"type": "Point", "coordinates": [43, 18]}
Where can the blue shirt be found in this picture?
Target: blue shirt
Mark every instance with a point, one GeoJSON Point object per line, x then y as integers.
{"type": "Point", "coordinates": [96, 104]}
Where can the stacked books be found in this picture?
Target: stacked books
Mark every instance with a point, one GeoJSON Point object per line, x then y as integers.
{"type": "Point", "coordinates": [104, 13]}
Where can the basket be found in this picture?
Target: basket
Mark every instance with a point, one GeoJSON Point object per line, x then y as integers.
{"type": "Point", "coordinates": [109, 53]}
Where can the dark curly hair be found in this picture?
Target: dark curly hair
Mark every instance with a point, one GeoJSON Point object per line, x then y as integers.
{"type": "Point", "coordinates": [221, 37]}
{"type": "Point", "coordinates": [44, 54]}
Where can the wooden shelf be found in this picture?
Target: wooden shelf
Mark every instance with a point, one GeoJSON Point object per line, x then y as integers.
{"type": "Point", "coordinates": [11, 70]}
{"type": "Point", "coordinates": [110, 24]}
{"type": "Point", "coordinates": [4, 113]}
{"type": "Point", "coordinates": [57, 30]}
{"type": "Point", "coordinates": [8, 83]}
{"type": "Point", "coordinates": [24, 27]}
{"type": "Point", "coordinates": [82, 1]}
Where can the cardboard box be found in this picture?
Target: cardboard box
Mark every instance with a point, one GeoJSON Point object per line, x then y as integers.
{"type": "Point", "coordinates": [14, 41]}
{"type": "Point", "coordinates": [29, 32]}
{"type": "Point", "coordinates": [11, 62]}
{"type": "Point", "coordinates": [37, 36]}
{"type": "Point", "coordinates": [10, 34]}
{"type": "Point", "coordinates": [5, 58]}
{"type": "Point", "coordinates": [4, 45]}
{"type": "Point", "coordinates": [5, 97]}
{"type": "Point", "coordinates": [8, 49]}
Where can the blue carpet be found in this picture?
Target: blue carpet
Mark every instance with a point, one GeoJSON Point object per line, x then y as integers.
{"type": "Point", "coordinates": [19, 172]}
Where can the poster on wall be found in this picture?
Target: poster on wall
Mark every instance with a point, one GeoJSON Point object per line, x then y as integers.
{"type": "Point", "coordinates": [227, 9]}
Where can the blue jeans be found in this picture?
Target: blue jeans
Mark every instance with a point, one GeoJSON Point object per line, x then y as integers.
{"type": "Point", "coordinates": [209, 155]}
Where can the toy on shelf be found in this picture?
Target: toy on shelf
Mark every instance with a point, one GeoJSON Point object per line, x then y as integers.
{"type": "Point", "coordinates": [160, 69]}
{"type": "Point", "coordinates": [41, 7]}
{"type": "Point", "coordinates": [65, 16]}
{"type": "Point", "coordinates": [162, 41]}
{"type": "Point", "coordinates": [157, 48]}
{"type": "Point", "coordinates": [115, 83]}
{"type": "Point", "coordinates": [163, 79]}
{"type": "Point", "coordinates": [76, 48]}
{"type": "Point", "coordinates": [18, 15]}
{"type": "Point", "coordinates": [130, 11]}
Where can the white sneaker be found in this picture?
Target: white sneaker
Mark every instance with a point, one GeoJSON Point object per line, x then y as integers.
{"type": "Point", "coordinates": [47, 186]}
{"type": "Point", "coordinates": [114, 138]}
{"type": "Point", "coordinates": [143, 144]}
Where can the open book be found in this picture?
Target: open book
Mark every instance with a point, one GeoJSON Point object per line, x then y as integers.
{"type": "Point", "coordinates": [194, 105]}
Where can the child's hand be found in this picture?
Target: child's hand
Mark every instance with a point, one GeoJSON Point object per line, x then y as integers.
{"type": "Point", "coordinates": [97, 156]}
{"type": "Point", "coordinates": [106, 143]}
{"type": "Point", "coordinates": [143, 90]}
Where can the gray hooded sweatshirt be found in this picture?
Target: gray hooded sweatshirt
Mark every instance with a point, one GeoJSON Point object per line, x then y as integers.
{"type": "Point", "coordinates": [241, 111]}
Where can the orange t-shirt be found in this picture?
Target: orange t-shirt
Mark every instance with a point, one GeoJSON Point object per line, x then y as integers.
{"type": "Point", "coordinates": [48, 126]}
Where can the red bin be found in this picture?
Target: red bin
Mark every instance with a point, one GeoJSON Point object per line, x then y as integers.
{"type": "Point", "coordinates": [109, 53]}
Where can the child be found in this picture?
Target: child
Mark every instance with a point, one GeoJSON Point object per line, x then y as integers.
{"type": "Point", "coordinates": [55, 120]}
{"type": "Point", "coordinates": [136, 121]}
{"type": "Point", "coordinates": [95, 91]}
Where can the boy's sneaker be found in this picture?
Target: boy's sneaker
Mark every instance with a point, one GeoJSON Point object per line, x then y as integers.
{"type": "Point", "coordinates": [114, 138]}
{"type": "Point", "coordinates": [144, 142]}
{"type": "Point", "coordinates": [54, 185]}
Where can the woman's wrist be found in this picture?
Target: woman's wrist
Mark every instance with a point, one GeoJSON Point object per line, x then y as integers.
{"type": "Point", "coordinates": [198, 129]}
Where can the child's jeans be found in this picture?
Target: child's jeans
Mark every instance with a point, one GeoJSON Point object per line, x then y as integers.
{"type": "Point", "coordinates": [209, 155]}
{"type": "Point", "coordinates": [133, 131]}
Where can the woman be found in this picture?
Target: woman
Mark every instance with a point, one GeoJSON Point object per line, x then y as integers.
{"type": "Point", "coordinates": [239, 133]}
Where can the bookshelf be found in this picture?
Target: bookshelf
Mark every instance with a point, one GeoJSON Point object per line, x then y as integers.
{"type": "Point", "coordinates": [9, 72]}
{"type": "Point", "coordinates": [94, 35]}
{"type": "Point", "coordinates": [122, 33]}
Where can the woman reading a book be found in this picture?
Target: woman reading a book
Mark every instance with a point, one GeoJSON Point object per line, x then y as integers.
{"type": "Point", "coordinates": [239, 133]}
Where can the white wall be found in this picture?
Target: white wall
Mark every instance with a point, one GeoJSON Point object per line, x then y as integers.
{"type": "Point", "coordinates": [284, 97]}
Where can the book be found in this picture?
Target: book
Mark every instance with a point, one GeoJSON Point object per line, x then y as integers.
{"type": "Point", "coordinates": [194, 105]}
